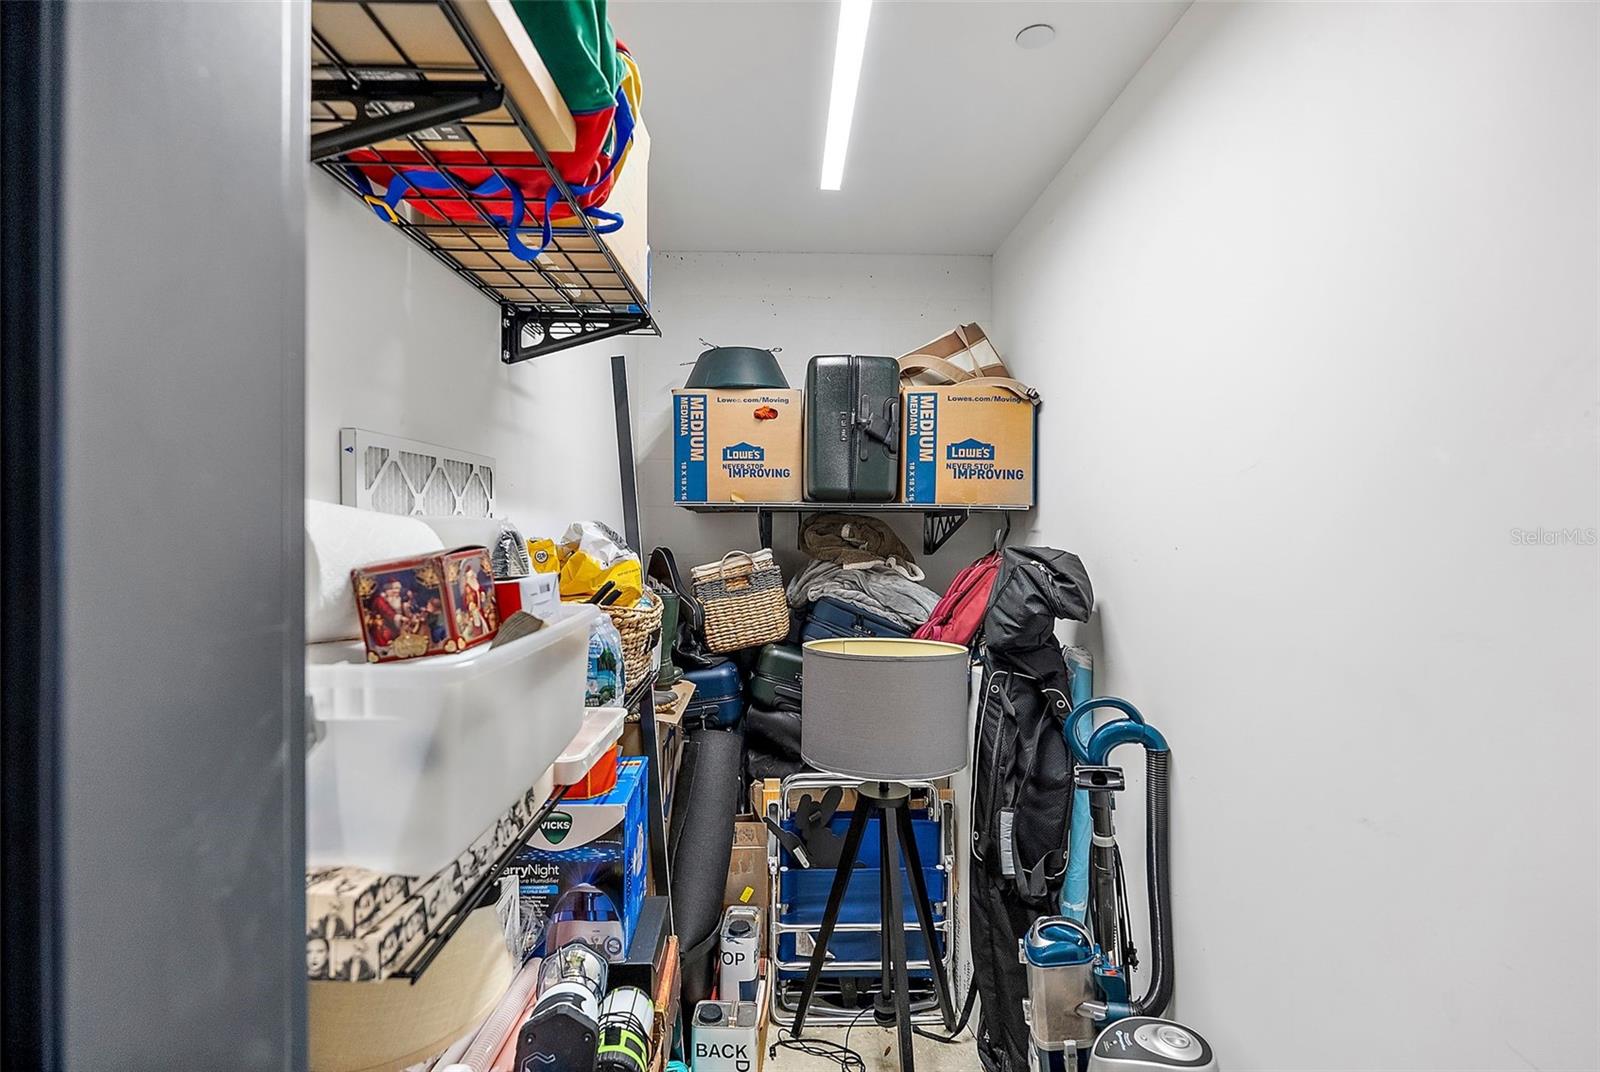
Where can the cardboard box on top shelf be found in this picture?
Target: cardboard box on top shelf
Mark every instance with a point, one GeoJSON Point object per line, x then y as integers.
{"type": "Point", "coordinates": [973, 442]}
{"type": "Point", "coordinates": [737, 446]}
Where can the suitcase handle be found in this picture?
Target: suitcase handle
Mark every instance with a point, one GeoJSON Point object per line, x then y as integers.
{"type": "Point", "coordinates": [885, 428]}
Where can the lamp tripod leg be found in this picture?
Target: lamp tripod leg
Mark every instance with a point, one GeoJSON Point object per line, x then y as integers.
{"type": "Point", "coordinates": [894, 923]}
{"type": "Point", "coordinates": [924, 907]}
{"type": "Point", "coordinates": [830, 916]}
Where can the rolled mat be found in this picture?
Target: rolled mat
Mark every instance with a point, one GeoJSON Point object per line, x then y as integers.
{"type": "Point", "coordinates": [700, 847]}
{"type": "Point", "coordinates": [773, 731]}
{"type": "Point", "coordinates": [340, 538]}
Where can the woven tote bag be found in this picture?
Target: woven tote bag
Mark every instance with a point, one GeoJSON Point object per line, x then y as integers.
{"type": "Point", "coordinates": [744, 601]}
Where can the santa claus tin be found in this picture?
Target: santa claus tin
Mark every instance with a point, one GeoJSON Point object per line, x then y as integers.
{"type": "Point", "coordinates": [429, 605]}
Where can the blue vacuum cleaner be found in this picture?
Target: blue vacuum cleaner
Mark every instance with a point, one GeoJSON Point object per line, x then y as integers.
{"type": "Point", "coordinates": [1079, 962]}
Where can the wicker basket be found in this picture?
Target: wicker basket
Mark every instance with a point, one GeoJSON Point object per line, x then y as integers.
{"type": "Point", "coordinates": [743, 599]}
{"type": "Point", "coordinates": [640, 626]}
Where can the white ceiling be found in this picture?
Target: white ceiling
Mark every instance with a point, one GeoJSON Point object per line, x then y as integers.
{"type": "Point", "coordinates": [956, 133]}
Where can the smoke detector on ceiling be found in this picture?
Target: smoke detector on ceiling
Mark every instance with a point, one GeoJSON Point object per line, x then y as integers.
{"type": "Point", "coordinates": [1038, 35]}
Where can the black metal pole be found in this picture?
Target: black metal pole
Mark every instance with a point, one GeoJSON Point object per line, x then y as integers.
{"type": "Point", "coordinates": [625, 461]}
{"type": "Point", "coordinates": [1103, 874]}
{"type": "Point", "coordinates": [31, 48]}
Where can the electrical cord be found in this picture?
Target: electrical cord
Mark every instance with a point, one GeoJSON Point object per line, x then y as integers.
{"type": "Point", "coordinates": [961, 1024]}
{"type": "Point", "coordinates": [840, 1054]}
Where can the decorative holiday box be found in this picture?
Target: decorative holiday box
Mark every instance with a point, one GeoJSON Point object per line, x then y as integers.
{"type": "Point", "coordinates": [428, 605]}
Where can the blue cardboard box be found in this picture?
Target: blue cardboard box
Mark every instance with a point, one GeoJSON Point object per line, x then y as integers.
{"type": "Point", "coordinates": [583, 869]}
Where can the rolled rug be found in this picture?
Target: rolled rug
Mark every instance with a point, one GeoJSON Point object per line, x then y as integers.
{"type": "Point", "coordinates": [700, 847]}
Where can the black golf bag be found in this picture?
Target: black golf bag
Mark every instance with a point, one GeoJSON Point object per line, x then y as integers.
{"type": "Point", "coordinates": [1022, 783]}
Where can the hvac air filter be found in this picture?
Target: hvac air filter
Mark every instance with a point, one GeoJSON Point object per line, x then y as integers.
{"type": "Point", "coordinates": [883, 709]}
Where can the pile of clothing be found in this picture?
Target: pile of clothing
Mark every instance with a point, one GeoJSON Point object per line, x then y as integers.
{"type": "Point", "coordinates": [860, 580]}
{"type": "Point", "coordinates": [860, 561]}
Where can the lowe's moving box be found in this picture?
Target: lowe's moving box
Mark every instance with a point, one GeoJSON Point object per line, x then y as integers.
{"type": "Point", "coordinates": [967, 446]}
{"type": "Point", "coordinates": [736, 446]}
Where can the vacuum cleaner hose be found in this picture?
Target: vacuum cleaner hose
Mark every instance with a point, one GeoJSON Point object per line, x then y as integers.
{"type": "Point", "coordinates": [1158, 766]}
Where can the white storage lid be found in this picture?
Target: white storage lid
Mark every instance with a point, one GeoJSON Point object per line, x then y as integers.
{"type": "Point", "coordinates": [343, 665]}
{"type": "Point", "coordinates": [602, 728]}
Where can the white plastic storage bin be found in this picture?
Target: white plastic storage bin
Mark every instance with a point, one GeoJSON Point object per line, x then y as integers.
{"type": "Point", "coordinates": [411, 761]}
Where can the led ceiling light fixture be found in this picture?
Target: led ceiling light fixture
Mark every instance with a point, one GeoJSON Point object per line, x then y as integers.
{"type": "Point", "coordinates": [847, 52]}
{"type": "Point", "coordinates": [1038, 35]}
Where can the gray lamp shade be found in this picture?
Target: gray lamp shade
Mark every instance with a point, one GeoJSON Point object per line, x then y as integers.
{"type": "Point", "coordinates": [883, 709]}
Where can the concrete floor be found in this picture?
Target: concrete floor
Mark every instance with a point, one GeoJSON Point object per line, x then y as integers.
{"type": "Point", "coordinates": [878, 1049]}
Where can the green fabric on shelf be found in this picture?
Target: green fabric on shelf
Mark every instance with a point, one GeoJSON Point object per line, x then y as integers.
{"type": "Point", "coordinates": [575, 41]}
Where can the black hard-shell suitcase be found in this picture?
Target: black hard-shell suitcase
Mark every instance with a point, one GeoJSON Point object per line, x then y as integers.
{"type": "Point", "coordinates": [852, 429]}
{"type": "Point", "coordinates": [831, 617]}
{"type": "Point", "coordinates": [776, 731]}
{"type": "Point", "coordinates": [776, 681]}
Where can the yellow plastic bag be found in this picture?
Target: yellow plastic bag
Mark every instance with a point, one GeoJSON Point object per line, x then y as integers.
{"type": "Point", "coordinates": [589, 555]}
{"type": "Point", "coordinates": [582, 577]}
{"type": "Point", "coordinates": [545, 555]}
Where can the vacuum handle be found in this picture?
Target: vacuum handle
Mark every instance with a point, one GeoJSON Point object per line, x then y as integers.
{"type": "Point", "coordinates": [1049, 928]}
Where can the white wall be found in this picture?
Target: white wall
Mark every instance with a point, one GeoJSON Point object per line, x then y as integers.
{"type": "Point", "coordinates": [807, 303]}
{"type": "Point", "coordinates": [398, 343]}
{"type": "Point", "coordinates": [1321, 290]}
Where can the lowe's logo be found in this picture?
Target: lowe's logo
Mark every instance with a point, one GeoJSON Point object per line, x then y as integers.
{"type": "Point", "coordinates": [557, 827]}
{"type": "Point", "coordinates": [743, 452]}
{"type": "Point", "coordinates": [969, 450]}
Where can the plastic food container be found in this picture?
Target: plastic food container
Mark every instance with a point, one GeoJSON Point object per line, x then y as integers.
{"type": "Point", "coordinates": [409, 762]}
{"type": "Point", "coordinates": [588, 767]}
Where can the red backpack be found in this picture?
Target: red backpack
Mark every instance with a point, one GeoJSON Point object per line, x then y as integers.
{"type": "Point", "coordinates": [958, 615]}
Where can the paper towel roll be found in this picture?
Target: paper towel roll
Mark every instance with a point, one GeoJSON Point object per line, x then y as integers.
{"type": "Point", "coordinates": [340, 538]}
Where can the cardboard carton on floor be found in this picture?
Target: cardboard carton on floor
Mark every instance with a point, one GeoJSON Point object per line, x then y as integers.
{"type": "Point", "coordinates": [736, 446]}
{"type": "Point", "coordinates": [968, 445]}
{"type": "Point", "coordinates": [749, 881]}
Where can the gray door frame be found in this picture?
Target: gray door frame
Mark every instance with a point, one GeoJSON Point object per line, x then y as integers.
{"type": "Point", "coordinates": [154, 406]}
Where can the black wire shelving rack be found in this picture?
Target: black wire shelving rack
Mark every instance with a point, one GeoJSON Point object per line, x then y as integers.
{"type": "Point", "coordinates": [443, 107]}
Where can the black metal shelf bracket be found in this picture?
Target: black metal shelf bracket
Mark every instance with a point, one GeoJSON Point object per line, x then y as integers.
{"type": "Point", "coordinates": [482, 891]}
{"type": "Point", "coordinates": [392, 110]}
{"type": "Point", "coordinates": [939, 525]}
{"type": "Point", "coordinates": [528, 332]}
